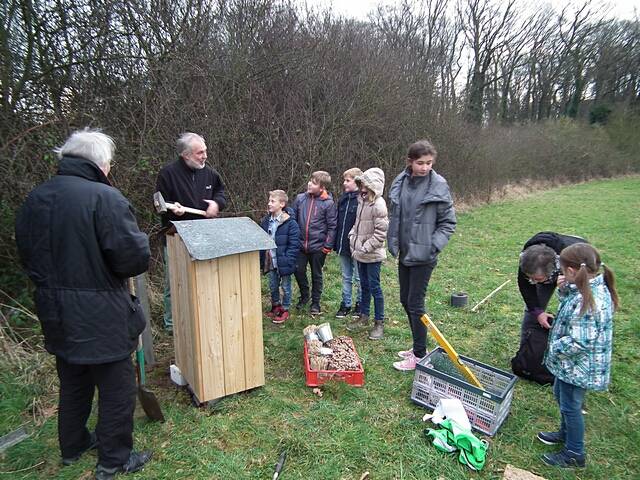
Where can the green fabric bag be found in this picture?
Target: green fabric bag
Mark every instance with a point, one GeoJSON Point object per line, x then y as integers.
{"type": "Point", "coordinates": [451, 437]}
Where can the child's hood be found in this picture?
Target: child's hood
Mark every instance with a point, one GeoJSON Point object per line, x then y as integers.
{"type": "Point", "coordinates": [286, 214]}
{"type": "Point", "coordinates": [373, 179]}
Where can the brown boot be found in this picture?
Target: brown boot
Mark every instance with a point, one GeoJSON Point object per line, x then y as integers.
{"type": "Point", "coordinates": [358, 323]}
{"type": "Point", "coordinates": [377, 332]}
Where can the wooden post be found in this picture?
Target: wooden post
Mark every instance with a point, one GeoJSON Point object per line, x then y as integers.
{"type": "Point", "coordinates": [140, 283]}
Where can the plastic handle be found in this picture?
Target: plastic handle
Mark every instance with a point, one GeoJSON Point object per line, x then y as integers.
{"type": "Point", "coordinates": [140, 360]}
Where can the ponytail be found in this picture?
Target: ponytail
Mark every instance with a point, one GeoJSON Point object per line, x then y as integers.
{"type": "Point", "coordinates": [586, 261]}
{"type": "Point", "coordinates": [582, 283]}
{"type": "Point", "coordinates": [610, 282]}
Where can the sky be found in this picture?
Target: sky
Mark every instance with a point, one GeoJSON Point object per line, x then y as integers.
{"type": "Point", "coordinates": [359, 9]}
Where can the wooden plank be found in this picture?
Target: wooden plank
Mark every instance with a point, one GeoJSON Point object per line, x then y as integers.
{"type": "Point", "coordinates": [231, 321]}
{"type": "Point", "coordinates": [186, 337]}
{"type": "Point", "coordinates": [252, 319]}
{"type": "Point", "coordinates": [209, 318]}
{"type": "Point", "coordinates": [180, 334]}
{"type": "Point", "coordinates": [147, 337]}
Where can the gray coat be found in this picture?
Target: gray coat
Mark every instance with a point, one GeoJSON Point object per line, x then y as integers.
{"type": "Point", "coordinates": [434, 222]}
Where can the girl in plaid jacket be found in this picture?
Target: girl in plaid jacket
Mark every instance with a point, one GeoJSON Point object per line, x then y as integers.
{"type": "Point", "coordinates": [579, 348]}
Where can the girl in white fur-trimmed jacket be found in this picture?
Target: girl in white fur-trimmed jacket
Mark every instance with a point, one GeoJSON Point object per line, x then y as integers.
{"type": "Point", "coordinates": [367, 239]}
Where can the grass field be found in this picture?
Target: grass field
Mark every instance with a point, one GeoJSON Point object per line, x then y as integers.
{"type": "Point", "coordinates": [377, 428]}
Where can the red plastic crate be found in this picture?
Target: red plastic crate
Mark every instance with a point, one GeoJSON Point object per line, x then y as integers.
{"type": "Point", "coordinates": [318, 377]}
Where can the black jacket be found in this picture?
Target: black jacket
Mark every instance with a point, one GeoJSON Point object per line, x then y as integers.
{"type": "Point", "coordinates": [179, 183]}
{"type": "Point", "coordinates": [529, 292]}
{"type": "Point", "coordinates": [347, 209]}
{"type": "Point", "coordinates": [78, 241]}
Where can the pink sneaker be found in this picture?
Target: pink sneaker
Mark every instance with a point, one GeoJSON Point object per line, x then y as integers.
{"type": "Point", "coordinates": [405, 353]}
{"type": "Point", "coordinates": [408, 364]}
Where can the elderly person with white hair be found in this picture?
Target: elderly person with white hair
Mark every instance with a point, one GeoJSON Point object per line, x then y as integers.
{"type": "Point", "coordinates": [79, 242]}
{"type": "Point", "coordinates": [188, 182]}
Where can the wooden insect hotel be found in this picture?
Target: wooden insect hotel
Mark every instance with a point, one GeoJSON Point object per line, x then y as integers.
{"type": "Point", "coordinates": [216, 304]}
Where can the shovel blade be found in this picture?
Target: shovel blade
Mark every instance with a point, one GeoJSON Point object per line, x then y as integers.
{"type": "Point", "coordinates": [150, 404]}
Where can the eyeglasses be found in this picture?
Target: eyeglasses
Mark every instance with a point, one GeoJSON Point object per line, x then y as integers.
{"type": "Point", "coordinates": [541, 282]}
{"type": "Point", "coordinates": [548, 280]}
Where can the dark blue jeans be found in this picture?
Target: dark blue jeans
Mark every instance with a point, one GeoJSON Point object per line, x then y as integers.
{"type": "Point", "coordinates": [370, 287]}
{"type": "Point", "coordinates": [275, 281]}
{"type": "Point", "coordinates": [570, 400]}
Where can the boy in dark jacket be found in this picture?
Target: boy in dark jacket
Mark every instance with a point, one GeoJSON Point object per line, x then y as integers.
{"type": "Point", "coordinates": [317, 217]}
{"type": "Point", "coordinates": [280, 262]}
{"type": "Point", "coordinates": [347, 208]}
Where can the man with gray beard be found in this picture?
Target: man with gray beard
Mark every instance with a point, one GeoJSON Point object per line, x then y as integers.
{"type": "Point", "coordinates": [188, 182]}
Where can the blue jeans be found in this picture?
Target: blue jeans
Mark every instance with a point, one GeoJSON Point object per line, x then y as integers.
{"type": "Point", "coordinates": [275, 280]}
{"type": "Point", "coordinates": [570, 399]}
{"type": "Point", "coordinates": [350, 277]}
{"type": "Point", "coordinates": [370, 283]}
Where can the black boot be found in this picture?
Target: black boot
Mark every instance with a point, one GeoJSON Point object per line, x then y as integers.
{"type": "Point", "coordinates": [343, 311]}
{"type": "Point", "coordinates": [302, 303]}
{"type": "Point", "coordinates": [93, 444]}
{"type": "Point", "coordinates": [136, 461]}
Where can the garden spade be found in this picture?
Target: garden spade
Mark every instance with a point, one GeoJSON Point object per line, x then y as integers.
{"type": "Point", "coordinates": [147, 398]}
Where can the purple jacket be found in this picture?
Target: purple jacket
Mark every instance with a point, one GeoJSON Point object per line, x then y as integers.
{"type": "Point", "coordinates": [317, 218]}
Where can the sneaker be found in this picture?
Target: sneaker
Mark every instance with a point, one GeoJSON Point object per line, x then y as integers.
{"type": "Point", "coordinates": [377, 332]}
{"type": "Point", "coordinates": [282, 317]}
{"type": "Point", "coordinates": [564, 459]}
{"type": "Point", "coordinates": [355, 313]}
{"type": "Point", "coordinates": [275, 311]}
{"type": "Point", "coordinates": [314, 309]}
{"type": "Point", "coordinates": [550, 438]}
{"type": "Point", "coordinates": [136, 461]}
{"type": "Point", "coordinates": [302, 303]}
{"type": "Point", "coordinates": [343, 311]}
{"type": "Point", "coordinates": [408, 364]}
{"type": "Point", "coordinates": [405, 353]}
{"type": "Point", "coordinates": [93, 444]}
{"type": "Point", "coordinates": [358, 323]}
